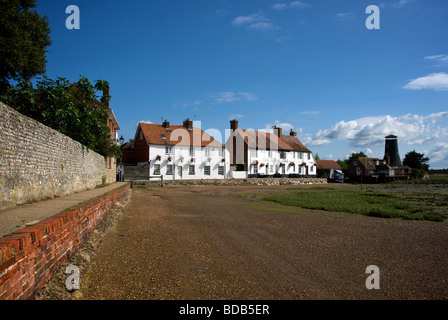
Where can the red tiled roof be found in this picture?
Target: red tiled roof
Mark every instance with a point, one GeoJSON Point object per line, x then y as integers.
{"type": "Point", "coordinates": [177, 135]}
{"type": "Point", "coordinates": [327, 165]}
{"type": "Point", "coordinates": [269, 141]}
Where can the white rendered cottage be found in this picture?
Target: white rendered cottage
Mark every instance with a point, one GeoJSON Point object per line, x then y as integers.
{"type": "Point", "coordinates": [179, 152]}
{"type": "Point", "coordinates": [261, 154]}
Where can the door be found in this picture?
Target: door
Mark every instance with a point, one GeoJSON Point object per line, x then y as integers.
{"type": "Point", "coordinates": [179, 172]}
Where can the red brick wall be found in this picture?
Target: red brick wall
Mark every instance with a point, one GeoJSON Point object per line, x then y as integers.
{"type": "Point", "coordinates": [141, 148]}
{"type": "Point", "coordinates": [30, 256]}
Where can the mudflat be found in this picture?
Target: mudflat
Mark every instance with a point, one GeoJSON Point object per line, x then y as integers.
{"type": "Point", "coordinates": [213, 242]}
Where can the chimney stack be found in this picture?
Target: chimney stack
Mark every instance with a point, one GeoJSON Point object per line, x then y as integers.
{"type": "Point", "coordinates": [293, 133]}
{"type": "Point", "coordinates": [234, 124]}
{"type": "Point", "coordinates": [188, 124]}
{"type": "Point", "coordinates": [166, 125]}
{"type": "Point", "coordinates": [278, 131]}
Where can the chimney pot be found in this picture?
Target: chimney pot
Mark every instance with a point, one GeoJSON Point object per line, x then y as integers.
{"type": "Point", "coordinates": [234, 124]}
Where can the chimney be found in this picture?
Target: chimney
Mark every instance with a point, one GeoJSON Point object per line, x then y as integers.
{"type": "Point", "coordinates": [188, 124]}
{"type": "Point", "coordinates": [106, 92]}
{"type": "Point", "coordinates": [234, 124]}
{"type": "Point", "coordinates": [166, 125]}
{"type": "Point", "coordinates": [293, 133]}
{"type": "Point", "coordinates": [278, 131]}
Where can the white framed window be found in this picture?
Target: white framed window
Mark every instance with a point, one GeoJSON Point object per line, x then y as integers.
{"type": "Point", "coordinates": [255, 168]}
{"type": "Point", "coordinates": [221, 152]}
{"type": "Point", "coordinates": [221, 170]}
{"type": "Point", "coordinates": [206, 170]}
{"type": "Point", "coordinates": [191, 151]}
{"type": "Point", "coordinates": [156, 170]}
{"type": "Point", "coordinates": [169, 169]}
{"type": "Point", "coordinates": [168, 149]}
{"type": "Point", "coordinates": [207, 152]}
{"type": "Point", "coordinates": [191, 170]}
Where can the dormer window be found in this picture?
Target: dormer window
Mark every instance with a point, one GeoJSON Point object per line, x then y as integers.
{"type": "Point", "coordinates": [163, 136]}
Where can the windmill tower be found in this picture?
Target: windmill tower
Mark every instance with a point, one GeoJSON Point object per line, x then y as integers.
{"type": "Point", "coordinates": [391, 155]}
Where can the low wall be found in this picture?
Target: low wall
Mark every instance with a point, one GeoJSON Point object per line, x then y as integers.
{"type": "Point", "coordinates": [234, 182]}
{"type": "Point", "coordinates": [37, 162]}
{"type": "Point", "coordinates": [30, 256]}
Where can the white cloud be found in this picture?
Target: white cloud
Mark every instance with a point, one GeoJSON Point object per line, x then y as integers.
{"type": "Point", "coordinates": [263, 26]}
{"type": "Point", "coordinates": [249, 19]}
{"type": "Point", "coordinates": [344, 16]}
{"type": "Point", "coordinates": [434, 81]}
{"type": "Point", "coordinates": [256, 21]}
{"type": "Point", "coordinates": [299, 4]}
{"type": "Point", "coordinates": [440, 59]}
{"type": "Point", "coordinates": [439, 152]}
{"type": "Point", "coordinates": [235, 116]}
{"type": "Point", "coordinates": [370, 131]}
{"type": "Point", "coordinates": [294, 4]}
{"type": "Point", "coordinates": [279, 6]}
{"type": "Point", "coordinates": [230, 96]}
{"type": "Point", "coordinates": [310, 112]}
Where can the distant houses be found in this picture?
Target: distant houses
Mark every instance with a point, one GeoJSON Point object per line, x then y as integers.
{"type": "Point", "coordinates": [187, 152]}
{"type": "Point", "coordinates": [375, 169]}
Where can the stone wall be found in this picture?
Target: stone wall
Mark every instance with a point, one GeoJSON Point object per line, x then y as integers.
{"type": "Point", "coordinates": [37, 162]}
{"type": "Point", "coordinates": [236, 182]}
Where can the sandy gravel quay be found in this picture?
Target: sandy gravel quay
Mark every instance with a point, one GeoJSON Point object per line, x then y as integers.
{"type": "Point", "coordinates": [208, 243]}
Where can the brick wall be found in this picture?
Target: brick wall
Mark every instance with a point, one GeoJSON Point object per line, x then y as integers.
{"type": "Point", "coordinates": [30, 256]}
{"type": "Point", "coordinates": [37, 162]}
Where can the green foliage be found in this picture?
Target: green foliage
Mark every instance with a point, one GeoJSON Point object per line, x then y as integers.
{"type": "Point", "coordinates": [376, 204]}
{"type": "Point", "coordinates": [416, 160]}
{"type": "Point", "coordinates": [418, 173]}
{"type": "Point", "coordinates": [24, 38]}
{"type": "Point", "coordinates": [354, 156]}
{"type": "Point", "coordinates": [72, 109]}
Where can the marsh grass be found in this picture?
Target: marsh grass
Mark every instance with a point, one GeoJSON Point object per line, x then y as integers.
{"type": "Point", "coordinates": [370, 203]}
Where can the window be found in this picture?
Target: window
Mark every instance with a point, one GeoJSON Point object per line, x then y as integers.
{"type": "Point", "coordinates": [207, 170]}
{"type": "Point", "coordinates": [207, 152]}
{"type": "Point", "coordinates": [191, 151]}
{"type": "Point", "coordinates": [156, 169]}
{"type": "Point", "coordinates": [221, 152]}
{"type": "Point", "coordinates": [168, 149]}
{"type": "Point", "coordinates": [163, 136]}
{"type": "Point", "coordinates": [305, 156]}
{"type": "Point", "coordinates": [255, 168]}
{"type": "Point", "coordinates": [141, 135]}
{"type": "Point", "coordinates": [282, 155]}
{"type": "Point", "coordinates": [221, 170]}
{"type": "Point", "coordinates": [269, 153]}
{"type": "Point", "coordinates": [253, 152]}
{"type": "Point", "coordinates": [191, 171]}
{"type": "Point", "coordinates": [169, 169]}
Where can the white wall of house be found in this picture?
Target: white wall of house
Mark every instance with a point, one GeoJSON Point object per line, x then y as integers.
{"type": "Point", "coordinates": [185, 163]}
{"type": "Point", "coordinates": [283, 162]}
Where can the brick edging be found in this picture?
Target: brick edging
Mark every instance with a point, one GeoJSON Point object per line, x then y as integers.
{"type": "Point", "coordinates": [30, 256]}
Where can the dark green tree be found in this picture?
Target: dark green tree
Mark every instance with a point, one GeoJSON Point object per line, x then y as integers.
{"type": "Point", "coordinates": [72, 109]}
{"type": "Point", "coordinates": [416, 160]}
{"type": "Point", "coordinates": [24, 38]}
{"type": "Point", "coordinates": [353, 156]}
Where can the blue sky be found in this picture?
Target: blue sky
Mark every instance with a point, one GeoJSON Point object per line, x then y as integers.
{"type": "Point", "coordinates": [308, 65]}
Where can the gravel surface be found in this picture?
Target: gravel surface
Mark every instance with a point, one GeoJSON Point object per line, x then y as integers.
{"type": "Point", "coordinates": [209, 242]}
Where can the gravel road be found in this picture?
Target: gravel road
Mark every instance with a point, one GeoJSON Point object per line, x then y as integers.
{"type": "Point", "coordinates": [208, 242]}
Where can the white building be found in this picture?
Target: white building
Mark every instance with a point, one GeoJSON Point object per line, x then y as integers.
{"type": "Point", "coordinates": [179, 152]}
{"type": "Point", "coordinates": [261, 154]}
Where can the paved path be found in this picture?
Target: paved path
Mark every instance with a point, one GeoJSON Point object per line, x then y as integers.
{"type": "Point", "coordinates": [209, 243]}
{"type": "Point", "coordinates": [12, 219]}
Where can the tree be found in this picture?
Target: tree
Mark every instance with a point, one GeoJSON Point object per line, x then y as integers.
{"type": "Point", "coordinates": [416, 160]}
{"type": "Point", "coordinates": [354, 156]}
{"type": "Point", "coordinates": [316, 156]}
{"type": "Point", "coordinates": [24, 38]}
{"type": "Point", "coordinates": [72, 109]}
